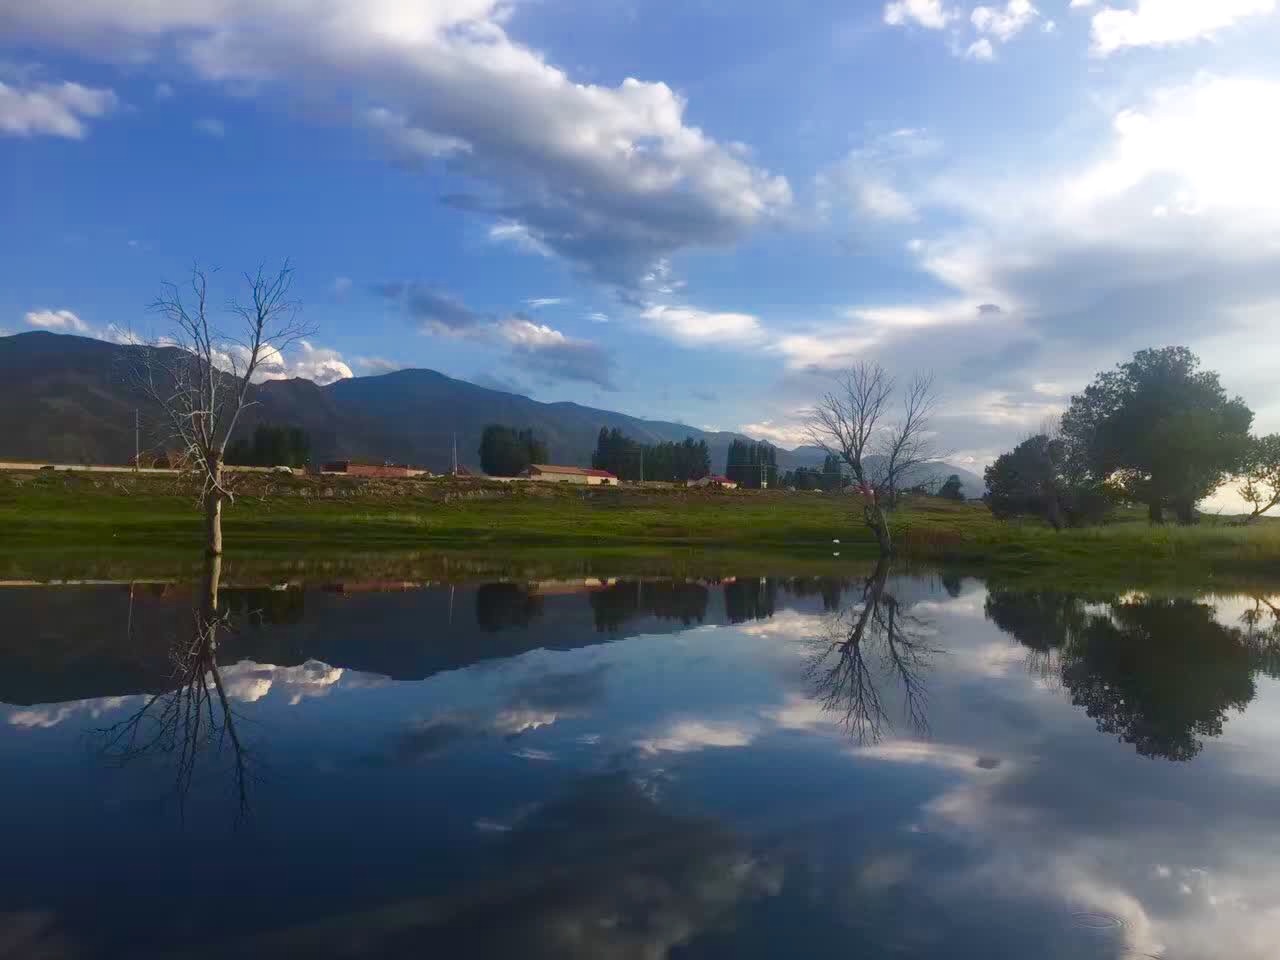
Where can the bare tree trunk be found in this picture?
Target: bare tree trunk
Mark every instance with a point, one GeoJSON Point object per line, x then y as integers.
{"type": "Point", "coordinates": [878, 523]}
{"type": "Point", "coordinates": [213, 510]}
{"type": "Point", "coordinates": [1155, 511]}
{"type": "Point", "coordinates": [209, 588]}
{"type": "Point", "coordinates": [1185, 510]}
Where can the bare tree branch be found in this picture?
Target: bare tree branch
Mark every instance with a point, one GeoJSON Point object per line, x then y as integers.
{"type": "Point", "coordinates": [201, 374]}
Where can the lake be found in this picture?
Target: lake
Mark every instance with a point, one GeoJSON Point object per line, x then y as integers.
{"type": "Point", "coordinates": [873, 764]}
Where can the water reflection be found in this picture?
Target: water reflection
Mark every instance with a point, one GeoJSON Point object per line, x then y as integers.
{"type": "Point", "coordinates": [641, 767]}
{"type": "Point", "coordinates": [599, 871]}
{"type": "Point", "coordinates": [192, 723]}
{"type": "Point", "coordinates": [871, 642]}
{"type": "Point", "coordinates": [1159, 673]}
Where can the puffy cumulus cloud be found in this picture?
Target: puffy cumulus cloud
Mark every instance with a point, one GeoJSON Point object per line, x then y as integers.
{"type": "Point", "coordinates": [610, 178]}
{"type": "Point", "coordinates": [932, 14]}
{"type": "Point", "coordinates": [547, 352]}
{"type": "Point", "coordinates": [693, 326]}
{"type": "Point", "coordinates": [1164, 23]}
{"type": "Point", "coordinates": [1178, 210]}
{"type": "Point", "coordinates": [319, 364]}
{"type": "Point", "coordinates": [64, 321]}
{"type": "Point", "coordinates": [249, 682]}
{"type": "Point", "coordinates": [1004, 23]}
{"type": "Point", "coordinates": [51, 109]}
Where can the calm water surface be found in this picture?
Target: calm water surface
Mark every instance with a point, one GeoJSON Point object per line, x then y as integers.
{"type": "Point", "coordinates": [881, 767]}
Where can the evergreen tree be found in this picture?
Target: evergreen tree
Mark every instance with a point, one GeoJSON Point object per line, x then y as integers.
{"type": "Point", "coordinates": [508, 452]}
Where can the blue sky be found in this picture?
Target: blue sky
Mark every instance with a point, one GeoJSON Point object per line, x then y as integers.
{"type": "Point", "coordinates": [688, 211]}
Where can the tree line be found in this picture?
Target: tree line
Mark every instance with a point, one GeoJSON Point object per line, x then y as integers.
{"type": "Point", "coordinates": [272, 447]}
{"type": "Point", "coordinates": [629, 459]}
{"type": "Point", "coordinates": [1157, 431]}
{"type": "Point", "coordinates": [508, 451]}
{"type": "Point", "coordinates": [751, 464]}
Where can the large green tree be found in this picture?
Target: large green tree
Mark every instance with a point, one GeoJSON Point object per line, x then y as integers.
{"type": "Point", "coordinates": [752, 465]}
{"type": "Point", "coordinates": [507, 452]}
{"type": "Point", "coordinates": [1161, 429]}
{"type": "Point", "coordinates": [1038, 478]}
{"type": "Point", "coordinates": [272, 447]}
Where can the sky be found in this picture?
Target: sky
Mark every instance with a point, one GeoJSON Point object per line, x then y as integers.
{"type": "Point", "coordinates": [694, 212]}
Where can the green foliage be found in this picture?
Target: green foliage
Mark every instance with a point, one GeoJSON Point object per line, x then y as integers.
{"type": "Point", "coordinates": [1162, 430]}
{"type": "Point", "coordinates": [1159, 673]}
{"type": "Point", "coordinates": [1037, 478]}
{"type": "Point", "coordinates": [272, 447]}
{"type": "Point", "coordinates": [670, 461]}
{"type": "Point", "coordinates": [507, 452]}
{"type": "Point", "coordinates": [1261, 487]}
{"type": "Point", "coordinates": [952, 489]}
{"type": "Point", "coordinates": [752, 465]}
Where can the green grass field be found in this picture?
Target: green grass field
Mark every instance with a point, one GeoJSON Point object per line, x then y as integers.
{"type": "Point", "coordinates": [58, 514]}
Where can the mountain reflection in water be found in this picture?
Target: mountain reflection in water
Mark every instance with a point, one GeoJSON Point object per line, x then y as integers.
{"type": "Point", "coordinates": [879, 764]}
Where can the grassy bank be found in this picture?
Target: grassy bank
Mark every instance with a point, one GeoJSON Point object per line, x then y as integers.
{"type": "Point", "coordinates": [149, 518]}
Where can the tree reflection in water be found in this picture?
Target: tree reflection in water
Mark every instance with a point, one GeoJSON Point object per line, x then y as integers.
{"type": "Point", "coordinates": [193, 721]}
{"type": "Point", "coordinates": [1159, 673]}
{"type": "Point", "coordinates": [874, 640]}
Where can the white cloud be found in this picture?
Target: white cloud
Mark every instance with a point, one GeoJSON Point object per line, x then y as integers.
{"type": "Point", "coordinates": [318, 364]}
{"type": "Point", "coordinates": [692, 326]}
{"type": "Point", "coordinates": [1163, 23]}
{"type": "Point", "coordinates": [865, 182]}
{"type": "Point", "coordinates": [164, 91]}
{"type": "Point", "coordinates": [537, 303]}
{"type": "Point", "coordinates": [341, 286]}
{"type": "Point", "coordinates": [980, 49]}
{"type": "Point", "coordinates": [926, 13]}
{"type": "Point", "coordinates": [249, 682]}
{"type": "Point", "coordinates": [377, 365]}
{"type": "Point", "coordinates": [689, 736]}
{"type": "Point", "coordinates": [52, 109]}
{"type": "Point", "coordinates": [543, 350]}
{"type": "Point", "coordinates": [611, 178]}
{"type": "Point", "coordinates": [784, 433]}
{"type": "Point", "coordinates": [1004, 24]}
{"type": "Point", "coordinates": [44, 716]}
{"type": "Point", "coordinates": [598, 317]}
{"type": "Point", "coordinates": [62, 320]}
{"type": "Point", "coordinates": [211, 127]}
{"type": "Point", "coordinates": [519, 236]}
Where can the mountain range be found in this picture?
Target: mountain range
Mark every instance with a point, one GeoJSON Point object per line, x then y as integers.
{"type": "Point", "coordinates": [66, 399]}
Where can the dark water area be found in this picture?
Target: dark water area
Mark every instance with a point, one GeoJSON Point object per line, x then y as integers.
{"type": "Point", "coordinates": [876, 765]}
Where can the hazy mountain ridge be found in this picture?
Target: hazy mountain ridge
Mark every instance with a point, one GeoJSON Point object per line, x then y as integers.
{"type": "Point", "coordinates": [66, 398]}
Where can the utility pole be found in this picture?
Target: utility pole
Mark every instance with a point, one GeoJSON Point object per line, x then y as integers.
{"type": "Point", "coordinates": [642, 463]}
{"type": "Point", "coordinates": [455, 458]}
{"type": "Point", "coordinates": [137, 451]}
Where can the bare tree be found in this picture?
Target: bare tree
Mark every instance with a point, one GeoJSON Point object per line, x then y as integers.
{"type": "Point", "coordinates": [854, 423]}
{"type": "Point", "coordinates": [846, 679]}
{"type": "Point", "coordinates": [200, 373]}
{"type": "Point", "coordinates": [193, 716]}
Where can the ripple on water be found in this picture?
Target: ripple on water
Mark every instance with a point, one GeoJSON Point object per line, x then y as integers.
{"type": "Point", "coordinates": [1100, 922]}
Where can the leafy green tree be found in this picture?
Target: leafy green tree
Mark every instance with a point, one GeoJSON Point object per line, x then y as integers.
{"type": "Point", "coordinates": [272, 447]}
{"type": "Point", "coordinates": [1261, 487]}
{"type": "Point", "coordinates": [508, 452]}
{"type": "Point", "coordinates": [952, 489]}
{"type": "Point", "coordinates": [670, 461]}
{"type": "Point", "coordinates": [1037, 479]}
{"type": "Point", "coordinates": [1161, 674]}
{"type": "Point", "coordinates": [1161, 429]}
{"type": "Point", "coordinates": [752, 465]}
